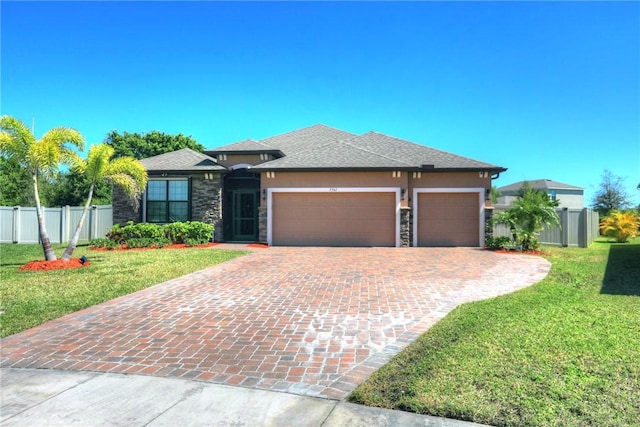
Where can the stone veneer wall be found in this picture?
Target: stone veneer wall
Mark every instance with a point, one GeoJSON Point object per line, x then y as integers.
{"type": "Point", "coordinates": [406, 230]}
{"type": "Point", "coordinates": [262, 224]}
{"type": "Point", "coordinates": [488, 224]}
{"type": "Point", "coordinates": [123, 208]}
{"type": "Point", "coordinates": [206, 202]}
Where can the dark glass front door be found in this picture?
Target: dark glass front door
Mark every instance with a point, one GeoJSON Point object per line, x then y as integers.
{"type": "Point", "coordinates": [245, 215]}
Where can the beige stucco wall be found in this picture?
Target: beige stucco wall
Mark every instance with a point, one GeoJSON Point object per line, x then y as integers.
{"type": "Point", "coordinates": [335, 179]}
{"type": "Point", "coordinates": [450, 180]}
{"type": "Point", "coordinates": [377, 179]}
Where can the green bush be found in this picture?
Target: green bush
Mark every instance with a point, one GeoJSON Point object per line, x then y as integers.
{"type": "Point", "coordinates": [103, 243]}
{"type": "Point", "coordinates": [495, 243]}
{"type": "Point", "coordinates": [190, 232]}
{"type": "Point", "coordinates": [141, 230]}
{"type": "Point", "coordinates": [176, 231]}
{"type": "Point", "coordinates": [144, 235]}
{"type": "Point", "coordinates": [146, 242]}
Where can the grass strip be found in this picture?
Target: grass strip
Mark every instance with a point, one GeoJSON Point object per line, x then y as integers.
{"type": "Point", "coordinates": [564, 352]}
{"type": "Point", "coordinates": [28, 299]}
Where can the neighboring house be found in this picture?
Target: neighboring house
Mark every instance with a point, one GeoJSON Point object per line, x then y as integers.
{"type": "Point", "coordinates": [569, 196]}
{"type": "Point", "coordinates": [321, 186]}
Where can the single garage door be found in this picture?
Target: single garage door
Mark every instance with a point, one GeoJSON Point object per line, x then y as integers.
{"type": "Point", "coordinates": [334, 219]}
{"type": "Point", "coordinates": [448, 219]}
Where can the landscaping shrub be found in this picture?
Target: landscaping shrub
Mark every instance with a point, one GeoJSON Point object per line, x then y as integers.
{"type": "Point", "coordinates": [496, 243]}
{"type": "Point", "coordinates": [140, 230]}
{"type": "Point", "coordinates": [145, 242]}
{"type": "Point", "coordinates": [190, 232]}
{"type": "Point", "coordinates": [103, 243]}
{"type": "Point", "coordinates": [145, 235]}
{"type": "Point", "coordinates": [527, 216]}
{"type": "Point", "coordinates": [620, 225]}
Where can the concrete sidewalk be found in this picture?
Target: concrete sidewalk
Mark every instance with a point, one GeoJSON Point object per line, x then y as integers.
{"type": "Point", "coordinates": [36, 397]}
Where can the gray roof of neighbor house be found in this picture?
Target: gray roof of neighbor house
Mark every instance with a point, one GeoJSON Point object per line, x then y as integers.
{"type": "Point", "coordinates": [371, 150]}
{"type": "Point", "coordinates": [542, 184]}
{"type": "Point", "coordinates": [184, 160]}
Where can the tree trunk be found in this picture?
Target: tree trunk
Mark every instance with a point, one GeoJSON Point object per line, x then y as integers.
{"type": "Point", "coordinates": [66, 256]}
{"type": "Point", "coordinates": [49, 255]}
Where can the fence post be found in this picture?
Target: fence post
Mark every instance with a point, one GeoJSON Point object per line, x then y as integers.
{"type": "Point", "coordinates": [564, 231]}
{"type": "Point", "coordinates": [65, 212]}
{"type": "Point", "coordinates": [16, 225]}
{"type": "Point", "coordinates": [93, 222]}
{"type": "Point", "coordinates": [585, 232]}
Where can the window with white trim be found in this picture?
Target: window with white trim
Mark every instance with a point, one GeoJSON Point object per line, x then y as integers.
{"type": "Point", "coordinates": [167, 200]}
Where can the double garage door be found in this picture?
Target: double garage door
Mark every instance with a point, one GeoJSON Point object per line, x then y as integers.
{"type": "Point", "coordinates": [334, 219]}
{"type": "Point", "coordinates": [369, 219]}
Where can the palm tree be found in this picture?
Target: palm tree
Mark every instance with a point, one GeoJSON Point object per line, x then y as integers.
{"type": "Point", "coordinates": [528, 215]}
{"type": "Point", "coordinates": [39, 157]}
{"type": "Point", "coordinates": [125, 172]}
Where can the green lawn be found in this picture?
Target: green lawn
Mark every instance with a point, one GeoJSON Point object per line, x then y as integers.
{"type": "Point", "coordinates": [564, 352]}
{"type": "Point", "coordinates": [28, 299]}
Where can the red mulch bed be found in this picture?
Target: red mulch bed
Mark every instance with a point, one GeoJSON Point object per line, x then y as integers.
{"type": "Point", "coordinates": [258, 245]}
{"type": "Point", "coordinates": [515, 252]}
{"type": "Point", "coordinates": [53, 265]}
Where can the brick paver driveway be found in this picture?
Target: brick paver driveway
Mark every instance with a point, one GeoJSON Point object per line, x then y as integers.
{"type": "Point", "coordinates": [312, 321]}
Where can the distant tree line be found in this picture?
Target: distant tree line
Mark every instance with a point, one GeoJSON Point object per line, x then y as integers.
{"type": "Point", "coordinates": [70, 187]}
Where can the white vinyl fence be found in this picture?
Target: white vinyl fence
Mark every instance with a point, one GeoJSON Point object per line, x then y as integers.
{"type": "Point", "coordinates": [20, 224]}
{"type": "Point", "coordinates": [579, 228]}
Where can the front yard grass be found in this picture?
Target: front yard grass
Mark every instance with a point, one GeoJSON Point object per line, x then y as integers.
{"type": "Point", "coordinates": [564, 352]}
{"type": "Point", "coordinates": [28, 299]}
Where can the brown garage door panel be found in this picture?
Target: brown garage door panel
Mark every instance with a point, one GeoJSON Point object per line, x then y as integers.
{"type": "Point", "coordinates": [448, 219]}
{"type": "Point", "coordinates": [334, 219]}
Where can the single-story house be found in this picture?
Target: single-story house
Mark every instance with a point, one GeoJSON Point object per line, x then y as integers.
{"type": "Point", "coordinates": [569, 196]}
{"type": "Point", "coordinates": [321, 186]}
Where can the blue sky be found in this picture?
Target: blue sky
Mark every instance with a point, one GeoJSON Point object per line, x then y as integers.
{"type": "Point", "coordinates": [546, 89]}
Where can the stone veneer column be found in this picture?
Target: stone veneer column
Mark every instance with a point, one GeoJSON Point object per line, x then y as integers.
{"type": "Point", "coordinates": [124, 208]}
{"type": "Point", "coordinates": [488, 224]}
{"type": "Point", "coordinates": [262, 224]}
{"type": "Point", "coordinates": [406, 231]}
{"type": "Point", "coordinates": [206, 202]}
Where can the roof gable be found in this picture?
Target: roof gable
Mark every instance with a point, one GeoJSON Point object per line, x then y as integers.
{"type": "Point", "coordinates": [246, 146]}
{"type": "Point", "coordinates": [305, 138]}
{"type": "Point", "coordinates": [333, 155]}
{"type": "Point", "coordinates": [181, 160]}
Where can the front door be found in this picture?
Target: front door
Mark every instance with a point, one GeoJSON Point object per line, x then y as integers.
{"type": "Point", "coordinates": [245, 215]}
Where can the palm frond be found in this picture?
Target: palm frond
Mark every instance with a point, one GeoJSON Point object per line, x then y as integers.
{"type": "Point", "coordinates": [15, 138]}
{"type": "Point", "coordinates": [98, 161]}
